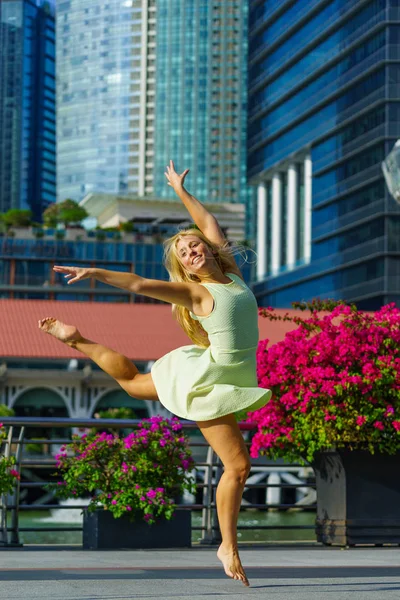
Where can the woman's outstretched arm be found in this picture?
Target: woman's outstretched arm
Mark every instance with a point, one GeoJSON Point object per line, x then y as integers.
{"type": "Point", "coordinates": [189, 295]}
{"type": "Point", "coordinates": [204, 220]}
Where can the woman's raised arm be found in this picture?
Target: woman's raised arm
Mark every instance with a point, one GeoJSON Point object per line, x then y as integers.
{"type": "Point", "coordinates": [204, 220]}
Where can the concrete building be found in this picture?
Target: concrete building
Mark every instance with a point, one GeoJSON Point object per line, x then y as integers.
{"type": "Point", "coordinates": [160, 215]}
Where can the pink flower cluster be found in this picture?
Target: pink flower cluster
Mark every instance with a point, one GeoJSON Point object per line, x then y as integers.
{"type": "Point", "coordinates": [335, 380]}
{"type": "Point", "coordinates": [125, 474]}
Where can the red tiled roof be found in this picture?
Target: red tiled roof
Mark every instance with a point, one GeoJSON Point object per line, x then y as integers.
{"type": "Point", "coordinates": [140, 331]}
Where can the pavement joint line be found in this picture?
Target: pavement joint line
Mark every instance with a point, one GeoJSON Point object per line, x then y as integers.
{"type": "Point", "coordinates": [200, 568]}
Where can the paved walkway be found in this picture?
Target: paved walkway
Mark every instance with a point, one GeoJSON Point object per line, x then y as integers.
{"type": "Point", "coordinates": [275, 572]}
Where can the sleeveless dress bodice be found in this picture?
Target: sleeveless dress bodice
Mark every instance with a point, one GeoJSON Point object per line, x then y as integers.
{"type": "Point", "coordinates": [202, 384]}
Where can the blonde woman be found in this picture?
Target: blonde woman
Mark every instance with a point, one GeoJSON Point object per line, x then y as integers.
{"type": "Point", "coordinates": [206, 382]}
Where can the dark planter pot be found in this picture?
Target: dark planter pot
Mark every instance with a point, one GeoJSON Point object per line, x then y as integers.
{"type": "Point", "coordinates": [102, 531]}
{"type": "Point", "coordinates": [358, 498]}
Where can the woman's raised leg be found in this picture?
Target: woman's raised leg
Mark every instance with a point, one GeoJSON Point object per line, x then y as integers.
{"type": "Point", "coordinates": [119, 367]}
{"type": "Point", "coordinates": [226, 440]}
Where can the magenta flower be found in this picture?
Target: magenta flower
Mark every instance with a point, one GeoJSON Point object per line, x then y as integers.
{"type": "Point", "coordinates": [338, 368]}
{"type": "Point", "coordinates": [124, 472]}
{"type": "Point", "coordinates": [379, 425]}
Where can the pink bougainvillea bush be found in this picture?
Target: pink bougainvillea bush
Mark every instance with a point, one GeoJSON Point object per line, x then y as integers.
{"type": "Point", "coordinates": [8, 475]}
{"type": "Point", "coordinates": [140, 474]}
{"type": "Point", "coordinates": [335, 382]}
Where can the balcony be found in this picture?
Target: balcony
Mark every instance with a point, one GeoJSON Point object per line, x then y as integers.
{"type": "Point", "coordinates": [328, 24]}
{"type": "Point", "coordinates": [340, 222]}
{"type": "Point", "coordinates": [391, 92]}
{"type": "Point", "coordinates": [313, 102]}
{"type": "Point", "coordinates": [328, 160]}
{"type": "Point", "coordinates": [279, 66]}
{"type": "Point", "coordinates": [333, 262]}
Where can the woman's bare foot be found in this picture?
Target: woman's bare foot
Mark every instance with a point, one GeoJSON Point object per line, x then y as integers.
{"type": "Point", "coordinates": [232, 564]}
{"type": "Point", "coordinates": [65, 333]}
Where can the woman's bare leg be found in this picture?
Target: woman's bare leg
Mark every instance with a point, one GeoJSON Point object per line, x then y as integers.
{"type": "Point", "coordinates": [226, 440]}
{"type": "Point", "coordinates": [119, 367]}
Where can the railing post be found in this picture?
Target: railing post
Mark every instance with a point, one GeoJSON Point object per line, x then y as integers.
{"type": "Point", "coordinates": [217, 538]}
{"type": "Point", "coordinates": [14, 534]}
{"type": "Point", "coordinates": [206, 520]}
{"type": "Point", "coordinates": [274, 494]}
{"type": "Point", "coordinates": [4, 497]}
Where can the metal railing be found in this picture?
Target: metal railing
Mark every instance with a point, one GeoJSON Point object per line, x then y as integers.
{"type": "Point", "coordinates": [271, 477]}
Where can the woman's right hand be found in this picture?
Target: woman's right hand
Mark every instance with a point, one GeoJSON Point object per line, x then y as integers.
{"type": "Point", "coordinates": [174, 179]}
{"type": "Point", "coordinates": [74, 274]}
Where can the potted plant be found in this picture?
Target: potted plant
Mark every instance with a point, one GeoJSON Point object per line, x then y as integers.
{"type": "Point", "coordinates": [100, 235]}
{"type": "Point", "coordinates": [336, 404]}
{"type": "Point", "coordinates": [8, 475]}
{"type": "Point", "coordinates": [133, 482]}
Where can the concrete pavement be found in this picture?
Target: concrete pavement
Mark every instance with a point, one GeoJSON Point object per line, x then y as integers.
{"type": "Point", "coordinates": [275, 572]}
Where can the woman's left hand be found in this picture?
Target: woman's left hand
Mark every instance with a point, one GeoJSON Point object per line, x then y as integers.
{"type": "Point", "coordinates": [74, 274]}
{"type": "Point", "coordinates": [174, 179]}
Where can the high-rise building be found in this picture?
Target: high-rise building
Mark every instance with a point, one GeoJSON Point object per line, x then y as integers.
{"type": "Point", "coordinates": [144, 81]}
{"type": "Point", "coordinates": [201, 94]}
{"type": "Point", "coordinates": [27, 105]}
{"type": "Point", "coordinates": [105, 96]}
{"type": "Point", "coordinates": [323, 112]}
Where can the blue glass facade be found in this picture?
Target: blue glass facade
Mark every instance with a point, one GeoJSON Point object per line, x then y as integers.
{"type": "Point", "coordinates": [27, 105]}
{"type": "Point", "coordinates": [201, 97]}
{"type": "Point", "coordinates": [105, 97]}
{"type": "Point", "coordinates": [324, 88]}
{"type": "Point", "coordinates": [26, 268]}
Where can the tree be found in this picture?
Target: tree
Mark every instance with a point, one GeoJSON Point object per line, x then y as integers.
{"type": "Point", "coordinates": [71, 212]}
{"type": "Point", "coordinates": [17, 218]}
{"type": "Point", "coordinates": [51, 215]}
{"type": "Point", "coordinates": [67, 212]}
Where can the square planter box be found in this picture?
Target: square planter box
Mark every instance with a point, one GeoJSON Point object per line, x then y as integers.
{"type": "Point", "coordinates": [102, 531]}
{"type": "Point", "coordinates": [358, 498]}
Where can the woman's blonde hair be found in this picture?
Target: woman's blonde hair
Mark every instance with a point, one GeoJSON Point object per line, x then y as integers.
{"type": "Point", "coordinates": [224, 258]}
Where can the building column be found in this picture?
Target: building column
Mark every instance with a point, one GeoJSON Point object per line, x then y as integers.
{"type": "Point", "coordinates": [292, 204]}
{"type": "Point", "coordinates": [261, 231]}
{"type": "Point", "coordinates": [276, 222]}
{"type": "Point", "coordinates": [307, 207]}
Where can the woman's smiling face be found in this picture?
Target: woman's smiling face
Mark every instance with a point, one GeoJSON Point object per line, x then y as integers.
{"type": "Point", "coordinates": [194, 255]}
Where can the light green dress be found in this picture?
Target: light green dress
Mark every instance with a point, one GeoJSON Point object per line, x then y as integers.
{"type": "Point", "coordinates": [201, 384]}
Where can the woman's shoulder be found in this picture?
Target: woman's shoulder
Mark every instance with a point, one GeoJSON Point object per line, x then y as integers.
{"type": "Point", "coordinates": [235, 274]}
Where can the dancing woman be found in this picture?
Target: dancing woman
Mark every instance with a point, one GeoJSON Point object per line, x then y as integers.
{"type": "Point", "coordinates": [209, 381]}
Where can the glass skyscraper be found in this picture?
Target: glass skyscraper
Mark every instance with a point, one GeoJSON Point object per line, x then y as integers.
{"type": "Point", "coordinates": [201, 96]}
{"type": "Point", "coordinates": [323, 112]}
{"type": "Point", "coordinates": [105, 96]}
{"type": "Point", "coordinates": [27, 105]}
{"type": "Point", "coordinates": [144, 81]}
